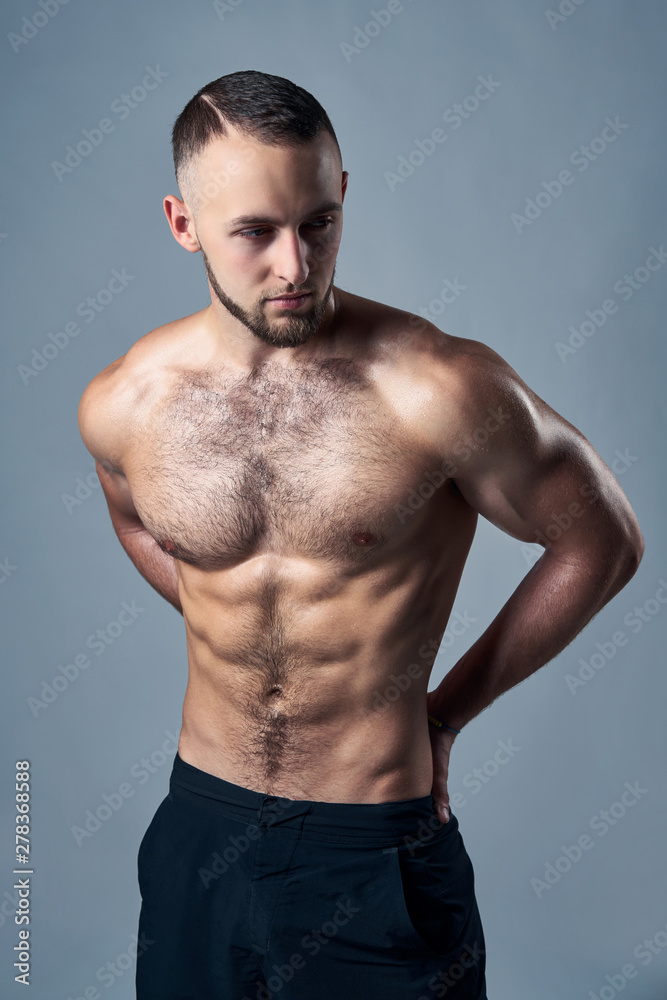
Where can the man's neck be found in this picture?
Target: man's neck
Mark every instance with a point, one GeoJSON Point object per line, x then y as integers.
{"type": "Point", "coordinates": [240, 346]}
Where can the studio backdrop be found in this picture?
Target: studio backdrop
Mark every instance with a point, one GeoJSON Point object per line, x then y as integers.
{"type": "Point", "coordinates": [507, 178]}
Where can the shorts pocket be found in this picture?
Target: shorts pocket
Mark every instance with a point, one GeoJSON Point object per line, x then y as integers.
{"type": "Point", "coordinates": [434, 896]}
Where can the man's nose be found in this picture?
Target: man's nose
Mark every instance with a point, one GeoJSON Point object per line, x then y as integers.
{"type": "Point", "coordinates": [290, 261]}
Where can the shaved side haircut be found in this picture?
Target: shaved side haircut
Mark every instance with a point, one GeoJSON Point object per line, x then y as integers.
{"type": "Point", "coordinates": [268, 108]}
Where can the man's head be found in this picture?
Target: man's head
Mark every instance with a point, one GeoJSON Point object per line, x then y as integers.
{"type": "Point", "coordinates": [260, 174]}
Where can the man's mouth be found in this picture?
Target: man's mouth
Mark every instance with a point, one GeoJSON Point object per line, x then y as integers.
{"type": "Point", "coordinates": [291, 300]}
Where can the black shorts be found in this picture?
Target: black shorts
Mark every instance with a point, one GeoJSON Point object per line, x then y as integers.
{"type": "Point", "coordinates": [247, 896]}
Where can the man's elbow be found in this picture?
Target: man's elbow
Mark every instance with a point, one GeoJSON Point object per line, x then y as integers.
{"type": "Point", "coordinates": [629, 550]}
{"type": "Point", "coordinates": [636, 551]}
{"type": "Point", "coordinates": [610, 554]}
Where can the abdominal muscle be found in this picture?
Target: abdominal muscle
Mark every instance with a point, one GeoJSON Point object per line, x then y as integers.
{"type": "Point", "coordinates": [293, 672]}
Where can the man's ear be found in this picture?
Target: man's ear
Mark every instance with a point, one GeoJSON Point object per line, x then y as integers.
{"type": "Point", "coordinates": [344, 186]}
{"type": "Point", "coordinates": [181, 222]}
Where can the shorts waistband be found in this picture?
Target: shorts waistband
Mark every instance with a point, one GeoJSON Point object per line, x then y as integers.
{"type": "Point", "coordinates": [379, 823]}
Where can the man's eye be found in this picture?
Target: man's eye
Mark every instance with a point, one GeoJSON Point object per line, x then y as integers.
{"type": "Point", "coordinates": [254, 234]}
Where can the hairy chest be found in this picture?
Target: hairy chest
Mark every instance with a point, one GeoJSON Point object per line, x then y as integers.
{"type": "Point", "coordinates": [311, 463]}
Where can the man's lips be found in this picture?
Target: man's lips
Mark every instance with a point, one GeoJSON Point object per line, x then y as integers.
{"type": "Point", "coordinates": [291, 300]}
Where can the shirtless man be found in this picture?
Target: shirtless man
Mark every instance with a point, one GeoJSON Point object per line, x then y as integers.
{"type": "Point", "coordinates": [299, 471]}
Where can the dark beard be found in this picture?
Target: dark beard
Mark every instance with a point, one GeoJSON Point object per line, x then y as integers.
{"type": "Point", "coordinates": [296, 331]}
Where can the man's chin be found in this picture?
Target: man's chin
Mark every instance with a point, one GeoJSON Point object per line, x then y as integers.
{"type": "Point", "coordinates": [290, 330]}
{"type": "Point", "coordinates": [284, 336]}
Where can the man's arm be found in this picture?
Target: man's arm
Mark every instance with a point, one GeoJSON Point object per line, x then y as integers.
{"type": "Point", "coordinates": [540, 480]}
{"type": "Point", "coordinates": [102, 430]}
{"type": "Point", "coordinates": [153, 563]}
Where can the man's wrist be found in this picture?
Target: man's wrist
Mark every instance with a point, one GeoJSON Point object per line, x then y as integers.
{"type": "Point", "coordinates": [438, 723]}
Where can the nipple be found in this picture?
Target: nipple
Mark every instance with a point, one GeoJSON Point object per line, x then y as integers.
{"type": "Point", "coordinates": [364, 538]}
{"type": "Point", "coordinates": [169, 546]}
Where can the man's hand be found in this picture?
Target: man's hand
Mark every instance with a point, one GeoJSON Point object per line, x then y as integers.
{"type": "Point", "coordinates": [441, 745]}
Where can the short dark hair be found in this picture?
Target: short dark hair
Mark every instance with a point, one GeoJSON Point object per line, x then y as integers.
{"type": "Point", "coordinates": [266, 107]}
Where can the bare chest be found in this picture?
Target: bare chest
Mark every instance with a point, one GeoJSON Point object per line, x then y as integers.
{"type": "Point", "coordinates": [309, 462]}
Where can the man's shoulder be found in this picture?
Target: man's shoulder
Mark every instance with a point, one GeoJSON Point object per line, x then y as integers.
{"type": "Point", "coordinates": [145, 359]}
{"type": "Point", "coordinates": [448, 386]}
{"type": "Point", "coordinates": [409, 340]}
{"type": "Point", "coordinates": [110, 402]}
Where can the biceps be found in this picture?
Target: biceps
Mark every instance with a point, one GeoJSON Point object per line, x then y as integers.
{"type": "Point", "coordinates": [559, 494]}
{"type": "Point", "coordinates": [123, 513]}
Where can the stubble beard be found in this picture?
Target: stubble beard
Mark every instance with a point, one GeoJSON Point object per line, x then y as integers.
{"type": "Point", "coordinates": [292, 332]}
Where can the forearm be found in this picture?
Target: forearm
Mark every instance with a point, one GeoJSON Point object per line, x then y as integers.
{"type": "Point", "coordinates": [153, 563]}
{"type": "Point", "coordinates": [552, 604]}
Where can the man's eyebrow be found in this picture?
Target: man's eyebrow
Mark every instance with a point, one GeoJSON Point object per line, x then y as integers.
{"type": "Point", "coordinates": [254, 220]}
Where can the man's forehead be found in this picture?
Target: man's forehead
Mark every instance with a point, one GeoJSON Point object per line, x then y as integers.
{"type": "Point", "coordinates": [241, 148]}
{"type": "Point", "coordinates": [238, 165]}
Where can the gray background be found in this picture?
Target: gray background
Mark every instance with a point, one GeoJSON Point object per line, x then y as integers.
{"type": "Point", "coordinates": [66, 575]}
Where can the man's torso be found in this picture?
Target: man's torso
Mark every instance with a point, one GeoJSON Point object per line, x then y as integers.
{"type": "Point", "coordinates": [319, 541]}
